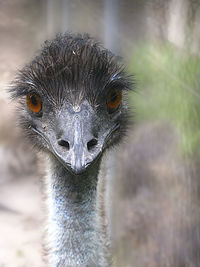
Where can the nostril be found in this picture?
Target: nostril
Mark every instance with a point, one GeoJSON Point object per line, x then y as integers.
{"type": "Point", "coordinates": [64, 143]}
{"type": "Point", "coordinates": [91, 144]}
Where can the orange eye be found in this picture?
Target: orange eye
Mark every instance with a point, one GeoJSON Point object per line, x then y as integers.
{"type": "Point", "coordinates": [114, 99]}
{"type": "Point", "coordinates": [34, 102]}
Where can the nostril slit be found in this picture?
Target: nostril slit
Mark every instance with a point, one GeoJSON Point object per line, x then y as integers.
{"type": "Point", "coordinates": [91, 144]}
{"type": "Point", "coordinates": [64, 143]}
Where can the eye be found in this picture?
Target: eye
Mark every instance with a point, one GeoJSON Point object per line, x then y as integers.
{"type": "Point", "coordinates": [33, 102]}
{"type": "Point", "coordinates": [114, 99]}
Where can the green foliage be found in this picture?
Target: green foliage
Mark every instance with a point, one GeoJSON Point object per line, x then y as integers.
{"type": "Point", "coordinates": [168, 88]}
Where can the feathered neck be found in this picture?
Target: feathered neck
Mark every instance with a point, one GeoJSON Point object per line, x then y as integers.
{"type": "Point", "coordinates": [74, 235]}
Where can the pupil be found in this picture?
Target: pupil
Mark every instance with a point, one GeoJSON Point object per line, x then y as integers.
{"type": "Point", "coordinates": [34, 100]}
{"type": "Point", "coordinates": [113, 97]}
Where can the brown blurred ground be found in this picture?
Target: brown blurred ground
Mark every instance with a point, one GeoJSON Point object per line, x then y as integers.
{"type": "Point", "coordinates": [21, 224]}
{"type": "Point", "coordinates": [155, 201]}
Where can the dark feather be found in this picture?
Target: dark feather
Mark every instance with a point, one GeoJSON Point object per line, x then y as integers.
{"type": "Point", "coordinates": [72, 67]}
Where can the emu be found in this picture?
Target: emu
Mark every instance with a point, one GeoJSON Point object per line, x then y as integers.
{"type": "Point", "coordinates": [73, 107]}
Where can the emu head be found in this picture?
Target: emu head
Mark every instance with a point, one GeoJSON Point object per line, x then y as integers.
{"type": "Point", "coordinates": [73, 100]}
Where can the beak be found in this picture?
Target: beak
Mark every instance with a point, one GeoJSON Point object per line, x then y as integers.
{"type": "Point", "coordinates": [78, 146]}
{"type": "Point", "coordinates": [85, 147]}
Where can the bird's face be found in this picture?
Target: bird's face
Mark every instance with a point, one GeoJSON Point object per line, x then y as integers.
{"type": "Point", "coordinates": [76, 134]}
{"type": "Point", "coordinates": [77, 120]}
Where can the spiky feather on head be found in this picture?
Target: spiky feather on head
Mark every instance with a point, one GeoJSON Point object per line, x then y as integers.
{"type": "Point", "coordinates": [73, 67]}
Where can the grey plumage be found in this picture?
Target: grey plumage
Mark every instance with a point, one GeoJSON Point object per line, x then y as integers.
{"type": "Point", "coordinates": [74, 76]}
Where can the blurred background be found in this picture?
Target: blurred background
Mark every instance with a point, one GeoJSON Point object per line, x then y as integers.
{"type": "Point", "coordinates": [155, 185]}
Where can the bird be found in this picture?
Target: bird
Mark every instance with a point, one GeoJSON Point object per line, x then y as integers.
{"type": "Point", "coordinates": [73, 108]}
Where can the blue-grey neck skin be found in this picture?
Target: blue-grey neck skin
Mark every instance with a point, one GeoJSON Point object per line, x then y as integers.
{"type": "Point", "coordinates": [75, 234]}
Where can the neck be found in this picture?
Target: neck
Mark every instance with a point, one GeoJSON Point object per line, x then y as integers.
{"type": "Point", "coordinates": [75, 235]}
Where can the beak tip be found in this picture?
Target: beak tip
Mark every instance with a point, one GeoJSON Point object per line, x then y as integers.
{"type": "Point", "coordinates": [78, 168]}
{"type": "Point", "coordinates": [78, 171]}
